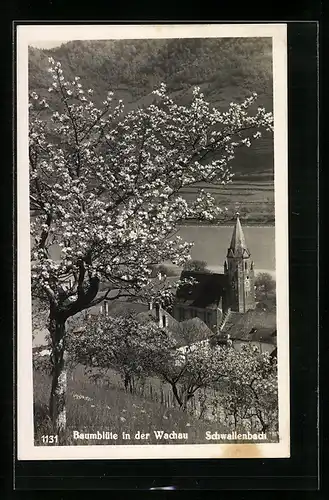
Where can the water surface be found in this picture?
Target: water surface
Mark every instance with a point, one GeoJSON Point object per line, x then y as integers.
{"type": "Point", "coordinates": [211, 244]}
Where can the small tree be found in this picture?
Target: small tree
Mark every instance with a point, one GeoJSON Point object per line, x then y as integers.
{"type": "Point", "coordinates": [193, 330]}
{"type": "Point", "coordinates": [265, 286]}
{"type": "Point", "coordinates": [245, 380]}
{"type": "Point", "coordinates": [251, 387]}
{"type": "Point", "coordinates": [163, 270]}
{"type": "Point", "coordinates": [191, 368]}
{"type": "Point", "coordinates": [105, 189]}
{"type": "Point", "coordinates": [121, 343]}
{"type": "Point", "coordinates": [196, 265]}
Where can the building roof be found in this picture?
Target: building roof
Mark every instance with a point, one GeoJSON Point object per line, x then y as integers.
{"type": "Point", "coordinates": [207, 290]}
{"type": "Point", "coordinates": [191, 331]}
{"type": "Point", "coordinates": [198, 329]}
{"type": "Point", "coordinates": [259, 326]}
{"type": "Point", "coordinates": [238, 246]}
{"type": "Point", "coordinates": [117, 307]}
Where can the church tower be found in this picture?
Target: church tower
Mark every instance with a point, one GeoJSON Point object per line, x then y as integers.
{"type": "Point", "coordinates": [239, 269]}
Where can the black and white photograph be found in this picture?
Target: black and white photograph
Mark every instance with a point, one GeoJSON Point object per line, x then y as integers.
{"type": "Point", "coordinates": [152, 241]}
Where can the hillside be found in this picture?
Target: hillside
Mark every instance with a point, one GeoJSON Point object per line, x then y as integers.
{"type": "Point", "coordinates": [226, 69]}
{"type": "Point", "coordinates": [103, 405]}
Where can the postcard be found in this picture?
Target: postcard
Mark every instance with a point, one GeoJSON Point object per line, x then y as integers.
{"type": "Point", "coordinates": [152, 215]}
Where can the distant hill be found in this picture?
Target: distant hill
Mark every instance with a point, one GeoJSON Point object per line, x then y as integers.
{"type": "Point", "coordinates": [226, 69]}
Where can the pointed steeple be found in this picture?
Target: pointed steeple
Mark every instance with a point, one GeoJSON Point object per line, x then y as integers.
{"type": "Point", "coordinates": [238, 247]}
{"type": "Point", "coordinates": [240, 272]}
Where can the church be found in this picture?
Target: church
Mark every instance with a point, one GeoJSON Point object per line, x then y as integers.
{"type": "Point", "coordinates": [213, 296]}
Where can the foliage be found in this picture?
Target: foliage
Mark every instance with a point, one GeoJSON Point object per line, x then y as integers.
{"type": "Point", "coordinates": [138, 350]}
{"type": "Point", "coordinates": [245, 382]}
{"type": "Point", "coordinates": [140, 65]}
{"type": "Point", "coordinates": [251, 389]}
{"type": "Point", "coordinates": [121, 343]}
{"type": "Point", "coordinates": [196, 265]}
{"type": "Point", "coordinates": [227, 69]}
{"type": "Point", "coordinates": [192, 368]}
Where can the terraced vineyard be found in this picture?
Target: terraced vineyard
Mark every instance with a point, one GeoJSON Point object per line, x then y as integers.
{"type": "Point", "coordinates": [253, 199]}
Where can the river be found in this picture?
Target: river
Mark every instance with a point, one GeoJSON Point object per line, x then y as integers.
{"type": "Point", "coordinates": [211, 244]}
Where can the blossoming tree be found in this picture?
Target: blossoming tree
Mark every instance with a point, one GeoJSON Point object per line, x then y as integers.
{"type": "Point", "coordinates": [105, 189]}
{"type": "Point", "coordinates": [242, 383]}
{"type": "Point", "coordinates": [121, 343]}
{"type": "Point", "coordinates": [251, 388]}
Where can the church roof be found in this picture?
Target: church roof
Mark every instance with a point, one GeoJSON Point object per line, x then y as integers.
{"type": "Point", "coordinates": [253, 325]}
{"type": "Point", "coordinates": [207, 290]}
{"type": "Point", "coordinates": [238, 246]}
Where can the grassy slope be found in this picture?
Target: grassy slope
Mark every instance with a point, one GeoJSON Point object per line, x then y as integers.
{"type": "Point", "coordinates": [112, 409]}
{"type": "Point", "coordinates": [106, 406]}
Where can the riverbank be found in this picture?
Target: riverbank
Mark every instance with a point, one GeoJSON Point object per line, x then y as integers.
{"type": "Point", "coordinates": [230, 223]}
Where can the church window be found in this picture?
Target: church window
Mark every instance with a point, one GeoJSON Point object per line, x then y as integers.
{"type": "Point", "coordinates": [245, 265]}
{"type": "Point", "coordinates": [164, 321]}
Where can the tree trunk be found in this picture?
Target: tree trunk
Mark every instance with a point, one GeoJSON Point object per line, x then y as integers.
{"type": "Point", "coordinates": [263, 424]}
{"type": "Point", "coordinates": [126, 381]}
{"type": "Point", "coordinates": [57, 402]}
{"type": "Point", "coordinates": [234, 419]}
{"type": "Point", "coordinates": [175, 393]}
{"type": "Point", "coordinates": [185, 399]}
{"type": "Point", "coordinates": [131, 385]}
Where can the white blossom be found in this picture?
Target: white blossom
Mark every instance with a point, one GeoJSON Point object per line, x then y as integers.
{"type": "Point", "coordinates": [106, 184]}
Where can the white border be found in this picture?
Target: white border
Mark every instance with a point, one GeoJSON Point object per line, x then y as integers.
{"type": "Point", "coordinates": [27, 34]}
